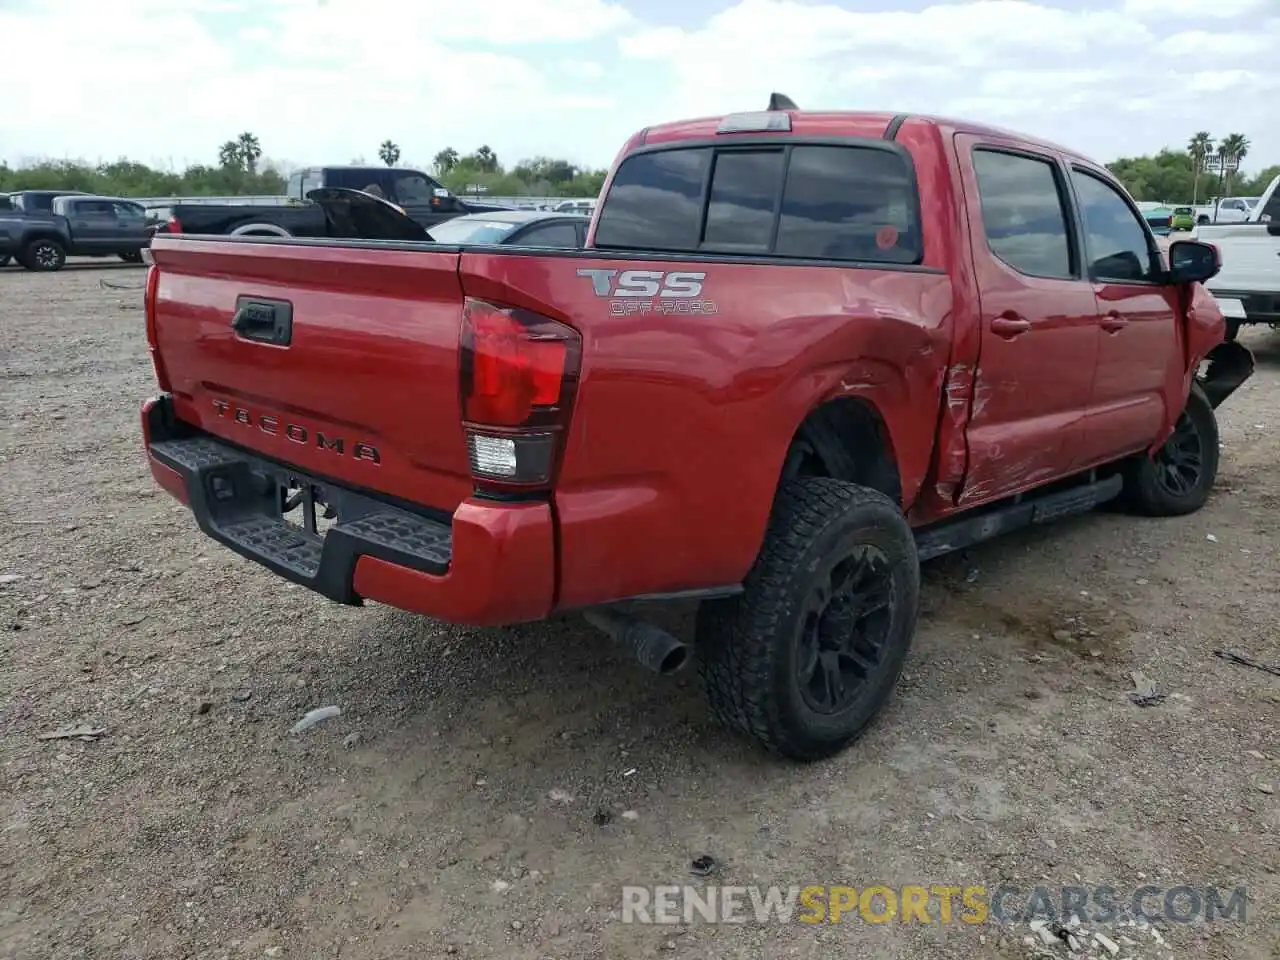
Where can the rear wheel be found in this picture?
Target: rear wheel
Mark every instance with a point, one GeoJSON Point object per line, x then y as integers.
{"type": "Point", "coordinates": [806, 657]}
{"type": "Point", "coordinates": [1178, 479]}
{"type": "Point", "coordinates": [44, 255]}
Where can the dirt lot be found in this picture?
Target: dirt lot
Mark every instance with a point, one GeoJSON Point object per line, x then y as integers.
{"type": "Point", "coordinates": [488, 793]}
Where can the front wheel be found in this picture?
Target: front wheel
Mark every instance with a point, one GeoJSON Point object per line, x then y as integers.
{"type": "Point", "coordinates": [44, 255]}
{"type": "Point", "coordinates": [806, 657]}
{"type": "Point", "coordinates": [1178, 479]}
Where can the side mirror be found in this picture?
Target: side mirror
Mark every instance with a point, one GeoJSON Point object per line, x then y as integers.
{"type": "Point", "coordinates": [1192, 261]}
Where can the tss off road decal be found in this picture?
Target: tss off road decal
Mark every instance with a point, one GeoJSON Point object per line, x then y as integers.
{"type": "Point", "coordinates": [631, 292]}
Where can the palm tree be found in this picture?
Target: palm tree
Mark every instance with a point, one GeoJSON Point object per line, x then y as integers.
{"type": "Point", "coordinates": [1234, 148]}
{"type": "Point", "coordinates": [389, 152]}
{"type": "Point", "coordinates": [1199, 146]}
{"type": "Point", "coordinates": [250, 151]}
{"type": "Point", "coordinates": [229, 156]}
{"type": "Point", "coordinates": [486, 159]}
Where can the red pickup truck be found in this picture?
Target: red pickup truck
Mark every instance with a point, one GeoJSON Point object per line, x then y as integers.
{"type": "Point", "coordinates": [801, 353]}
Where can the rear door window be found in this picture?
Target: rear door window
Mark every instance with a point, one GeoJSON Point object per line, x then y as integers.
{"type": "Point", "coordinates": [849, 203]}
{"type": "Point", "coordinates": [1023, 213]}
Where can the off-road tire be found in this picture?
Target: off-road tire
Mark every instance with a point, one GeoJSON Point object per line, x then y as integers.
{"type": "Point", "coordinates": [747, 645]}
{"type": "Point", "coordinates": [1144, 491]}
{"type": "Point", "coordinates": [1232, 331]}
{"type": "Point", "coordinates": [43, 255]}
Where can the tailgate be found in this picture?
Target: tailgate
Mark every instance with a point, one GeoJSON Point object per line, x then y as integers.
{"type": "Point", "coordinates": [342, 362]}
{"type": "Point", "coordinates": [1250, 262]}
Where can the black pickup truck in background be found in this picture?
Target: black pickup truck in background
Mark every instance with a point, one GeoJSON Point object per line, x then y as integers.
{"type": "Point", "coordinates": [75, 225]}
{"type": "Point", "coordinates": [420, 197]}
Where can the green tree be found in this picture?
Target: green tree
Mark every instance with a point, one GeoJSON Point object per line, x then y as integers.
{"type": "Point", "coordinates": [389, 152]}
{"type": "Point", "coordinates": [229, 156]}
{"type": "Point", "coordinates": [250, 152]}
{"type": "Point", "coordinates": [445, 160]}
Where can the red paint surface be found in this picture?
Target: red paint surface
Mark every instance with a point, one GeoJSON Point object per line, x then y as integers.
{"type": "Point", "coordinates": [681, 423]}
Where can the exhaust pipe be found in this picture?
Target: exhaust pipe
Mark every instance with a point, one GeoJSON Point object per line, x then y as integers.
{"type": "Point", "coordinates": [656, 649]}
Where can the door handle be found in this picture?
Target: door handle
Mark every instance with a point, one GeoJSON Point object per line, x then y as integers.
{"type": "Point", "coordinates": [268, 321]}
{"type": "Point", "coordinates": [1009, 325]}
{"type": "Point", "coordinates": [1113, 323]}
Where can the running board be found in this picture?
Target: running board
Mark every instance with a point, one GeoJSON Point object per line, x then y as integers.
{"type": "Point", "coordinates": [1047, 508]}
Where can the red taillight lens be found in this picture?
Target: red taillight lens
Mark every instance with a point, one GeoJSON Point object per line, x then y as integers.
{"type": "Point", "coordinates": [518, 368]}
{"type": "Point", "coordinates": [174, 225]}
{"type": "Point", "coordinates": [519, 375]}
{"type": "Point", "coordinates": [149, 311]}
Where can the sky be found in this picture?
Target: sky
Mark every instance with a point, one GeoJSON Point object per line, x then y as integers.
{"type": "Point", "coordinates": [165, 82]}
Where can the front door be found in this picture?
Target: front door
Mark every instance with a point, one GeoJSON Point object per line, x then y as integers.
{"type": "Point", "coordinates": [1039, 329]}
{"type": "Point", "coordinates": [1140, 364]}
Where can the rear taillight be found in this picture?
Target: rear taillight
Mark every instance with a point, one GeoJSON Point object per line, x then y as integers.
{"type": "Point", "coordinates": [518, 380]}
{"type": "Point", "coordinates": [153, 344]}
{"type": "Point", "coordinates": [174, 225]}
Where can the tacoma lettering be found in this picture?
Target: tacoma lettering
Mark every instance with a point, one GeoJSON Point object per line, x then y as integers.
{"type": "Point", "coordinates": [297, 433]}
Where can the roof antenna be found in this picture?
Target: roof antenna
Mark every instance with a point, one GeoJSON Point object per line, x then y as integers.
{"type": "Point", "coordinates": [780, 101]}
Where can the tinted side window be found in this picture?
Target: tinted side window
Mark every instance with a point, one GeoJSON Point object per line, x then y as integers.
{"type": "Point", "coordinates": [42, 202]}
{"type": "Point", "coordinates": [849, 203]}
{"type": "Point", "coordinates": [1116, 240]}
{"type": "Point", "coordinates": [1022, 213]}
{"type": "Point", "coordinates": [93, 208]}
{"type": "Point", "coordinates": [655, 202]}
{"type": "Point", "coordinates": [552, 235]}
{"type": "Point", "coordinates": [312, 180]}
{"type": "Point", "coordinates": [128, 211]}
{"type": "Point", "coordinates": [744, 187]}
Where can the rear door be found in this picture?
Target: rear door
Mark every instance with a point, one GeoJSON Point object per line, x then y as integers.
{"type": "Point", "coordinates": [1039, 343]}
{"type": "Point", "coordinates": [93, 226]}
{"type": "Point", "coordinates": [1140, 345]}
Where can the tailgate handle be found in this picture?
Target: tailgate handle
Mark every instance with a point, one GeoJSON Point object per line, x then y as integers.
{"type": "Point", "coordinates": [267, 321]}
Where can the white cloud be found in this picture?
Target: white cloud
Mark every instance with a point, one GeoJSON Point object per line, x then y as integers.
{"type": "Point", "coordinates": [1195, 9]}
{"type": "Point", "coordinates": [328, 80]}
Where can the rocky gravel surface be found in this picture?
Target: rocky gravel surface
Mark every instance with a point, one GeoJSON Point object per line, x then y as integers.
{"type": "Point", "coordinates": [488, 793]}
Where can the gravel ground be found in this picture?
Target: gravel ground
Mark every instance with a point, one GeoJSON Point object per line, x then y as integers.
{"type": "Point", "coordinates": [486, 793]}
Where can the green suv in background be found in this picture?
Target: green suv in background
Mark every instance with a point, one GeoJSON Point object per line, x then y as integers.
{"type": "Point", "coordinates": [1183, 218]}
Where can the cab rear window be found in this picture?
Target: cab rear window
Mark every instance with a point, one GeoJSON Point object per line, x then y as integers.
{"type": "Point", "coordinates": [804, 201]}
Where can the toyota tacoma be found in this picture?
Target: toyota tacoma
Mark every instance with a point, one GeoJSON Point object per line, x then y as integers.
{"type": "Point", "coordinates": [800, 353]}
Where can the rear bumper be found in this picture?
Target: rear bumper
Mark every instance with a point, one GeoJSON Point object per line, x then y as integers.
{"type": "Point", "coordinates": [486, 565]}
{"type": "Point", "coordinates": [1251, 306]}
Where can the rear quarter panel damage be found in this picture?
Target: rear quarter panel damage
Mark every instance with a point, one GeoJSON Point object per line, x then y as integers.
{"type": "Point", "coordinates": [682, 422]}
